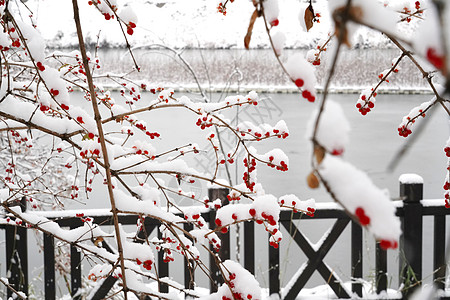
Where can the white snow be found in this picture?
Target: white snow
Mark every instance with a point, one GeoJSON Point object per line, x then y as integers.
{"type": "Point", "coordinates": [410, 179]}
{"type": "Point", "coordinates": [355, 191]}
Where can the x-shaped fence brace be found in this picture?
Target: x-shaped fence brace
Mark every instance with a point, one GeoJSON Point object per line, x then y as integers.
{"type": "Point", "coordinates": [315, 259]}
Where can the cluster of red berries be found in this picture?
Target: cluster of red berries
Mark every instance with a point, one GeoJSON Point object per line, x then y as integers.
{"type": "Point", "coordinates": [222, 9]}
{"type": "Point", "coordinates": [233, 196]}
{"type": "Point", "coordinates": [16, 43]}
{"type": "Point", "coordinates": [130, 27]}
{"type": "Point", "coordinates": [95, 152]}
{"type": "Point", "coordinates": [215, 243]}
{"type": "Point", "coordinates": [136, 96]}
{"type": "Point", "coordinates": [168, 257]}
{"type": "Point", "coordinates": [386, 244]}
{"type": "Point", "coordinates": [363, 219]}
{"type": "Point", "coordinates": [44, 108]}
{"type": "Point", "coordinates": [108, 16]}
{"type": "Point", "coordinates": [246, 177]}
{"type": "Point", "coordinates": [236, 295]}
{"type": "Point", "coordinates": [40, 66]}
{"type": "Point", "coordinates": [147, 264]}
{"type": "Point", "coordinates": [310, 211]}
{"type": "Point", "coordinates": [140, 151]}
{"type": "Point", "coordinates": [446, 186]}
{"type": "Point", "coordinates": [447, 151]}
{"type": "Point", "coordinates": [404, 131]}
{"type": "Point", "coordinates": [364, 106]}
{"type": "Point", "coordinates": [417, 3]}
{"type": "Point", "coordinates": [218, 222]}
{"type": "Point", "coordinates": [197, 218]}
{"type": "Point", "coordinates": [308, 96]}
{"type": "Point", "coordinates": [9, 171]}
{"type": "Point", "coordinates": [230, 159]}
{"type": "Point", "coordinates": [305, 94]}
{"type": "Point", "coordinates": [32, 202]}
{"type": "Point", "coordinates": [18, 139]}
{"type": "Point", "coordinates": [204, 122]}
{"type": "Point", "coordinates": [282, 167]}
{"type": "Point", "coordinates": [152, 135]}
{"type": "Point", "coordinates": [447, 199]}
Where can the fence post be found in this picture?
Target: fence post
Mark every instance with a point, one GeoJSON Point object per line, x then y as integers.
{"type": "Point", "coordinates": [17, 254]}
{"type": "Point", "coordinates": [411, 190]}
{"type": "Point", "coordinates": [224, 253]}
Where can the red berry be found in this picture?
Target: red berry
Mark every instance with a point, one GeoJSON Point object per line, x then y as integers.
{"type": "Point", "coordinates": [299, 82]}
{"type": "Point", "coordinates": [40, 66]}
{"type": "Point", "coordinates": [54, 92]}
{"type": "Point", "coordinates": [218, 222]}
{"type": "Point", "coordinates": [434, 58]}
{"type": "Point", "coordinates": [130, 30]}
{"type": "Point", "coordinates": [252, 212]}
{"type": "Point", "coordinates": [80, 120]}
{"type": "Point", "coordinates": [275, 22]}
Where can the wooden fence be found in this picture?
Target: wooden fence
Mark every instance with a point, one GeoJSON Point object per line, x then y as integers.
{"type": "Point", "coordinates": [411, 211]}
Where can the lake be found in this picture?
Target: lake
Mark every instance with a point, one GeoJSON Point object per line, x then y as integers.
{"type": "Point", "coordinates": [373, 142]}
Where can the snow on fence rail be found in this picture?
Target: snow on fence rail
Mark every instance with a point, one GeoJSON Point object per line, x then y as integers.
{"type": "Point", "coordinates": [411, 211]}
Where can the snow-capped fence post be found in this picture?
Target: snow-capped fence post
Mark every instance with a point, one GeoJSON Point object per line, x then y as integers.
{"type": "Point", "coordinates": [16, 253]}
{"type": "Point", "coordinates": [224, 252]}
{"type": "Point", "coordinates": [411, 190]}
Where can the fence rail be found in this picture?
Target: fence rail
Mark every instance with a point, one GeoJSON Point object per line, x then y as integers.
{"type": "Point", "coordinates": [410, 210]}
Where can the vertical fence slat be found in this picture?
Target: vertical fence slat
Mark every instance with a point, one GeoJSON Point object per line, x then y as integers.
{"type": "Point", "coordinates": [381, 268]}
{"type": "Point", "coordinates": [163, 268]}
{"type": "Point", "coordinates": [411, 239]}
{"type": "Point", "coordinates": [75, 270]}
{"type": "Point", "coordinates": [224, 252]}
{"type": "Point", "coordinates": [17, 254]}
{"type": "Point", "coordinates": [274, 270]}
{"type": "Point", "coordinates": [49, 267]}
{"type": "Point", "coordinates": [249, 247]}
{"type": "Point", "coordinates": [357, 257]}
{"type": "Point", "coordinates": [189, 278]}
{"type": "Point", "coordinates": [439, 264]}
